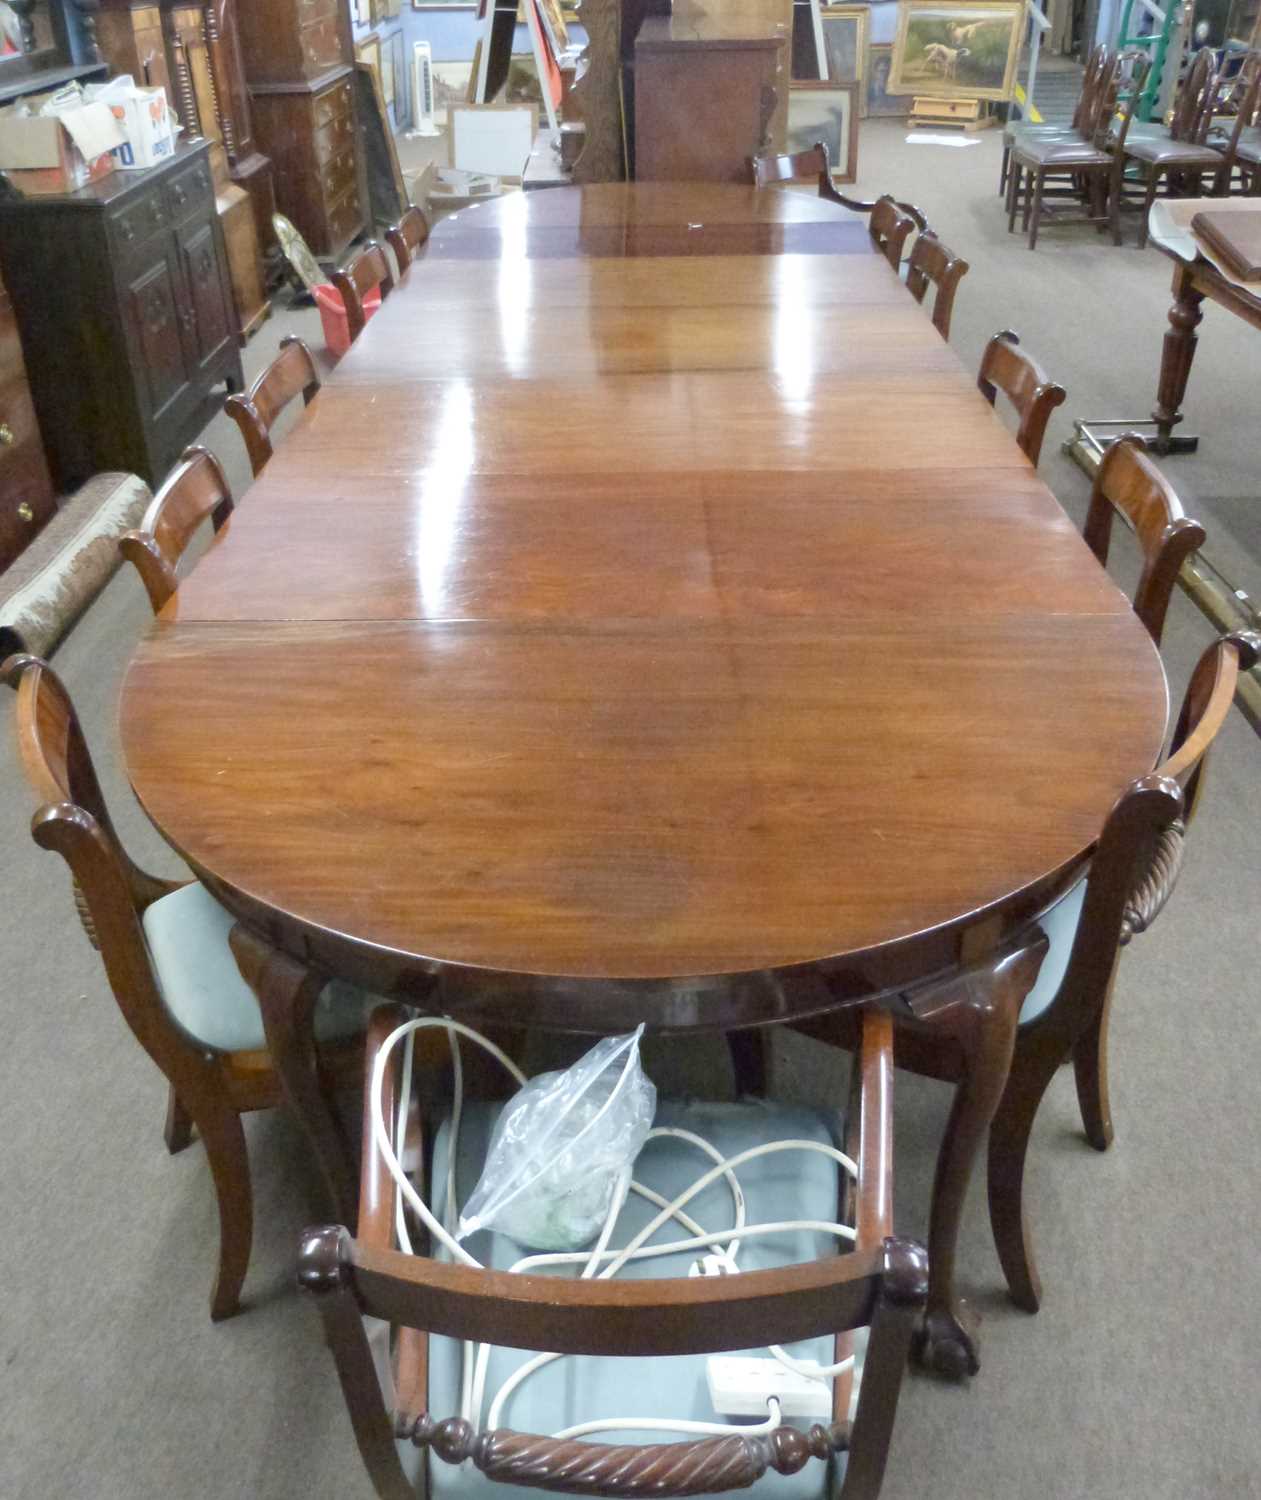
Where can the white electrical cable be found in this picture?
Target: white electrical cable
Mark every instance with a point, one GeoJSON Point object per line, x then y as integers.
{"type": "Point", "coordinates": [475, 1362]}
{"type": "Point", "coordinates": [380, 1127]}
{"type": "Point", "coordinates": [404, 1096]}
{"type": "Point", "coordinates": [677, 1424]}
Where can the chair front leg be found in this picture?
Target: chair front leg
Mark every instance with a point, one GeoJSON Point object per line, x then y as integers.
{"type": "Point", "coordinates": [287, 992]}
{"type": "Point", "coordinates": [977, 1019]}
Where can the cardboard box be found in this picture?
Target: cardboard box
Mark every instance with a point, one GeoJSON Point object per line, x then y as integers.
{"type": "Point", "coordinates": [57, 153]}
{"type": "Point", "coordinates": [146, 122]}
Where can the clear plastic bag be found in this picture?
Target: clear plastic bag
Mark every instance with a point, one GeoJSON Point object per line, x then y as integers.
{"type": "Point", "coordinates": [560, 1146]}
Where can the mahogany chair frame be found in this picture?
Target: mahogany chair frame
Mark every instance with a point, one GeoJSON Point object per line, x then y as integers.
{"type": "Point", "coordinates": [1006, 367]}
{"type": "Point", "coordinates": [1243, 151]}
{"type": "Point", "coordinates": [292, 373]}
{"type": "Point", "coordinates": [816, 163]}
{"type": "Point", "coordinates": [881, 1283]}
{"type": "Point", "coordinates": [931, 262]}
{"type": "Point", "coordinates": [1180, 158]}
{"type": "Point", "coordinates": [1081, 126]}
{"type": "Point", "coordinates": [1127, 481]}
{"type": "Point", "coordinates": [1093, 166]}
{"type": "Point", "coordinates": [365, 272]}
{"type": "Point", "coordinates": [111, 893]}
{"type": "Point", "coordinates": [1131, 876]}
{"type": "Point", "coordinates": [407, 236]}
{"type": "Point", "coordinates": [197, 488]}
{"type": "Point", "coordinates": [889, 227]}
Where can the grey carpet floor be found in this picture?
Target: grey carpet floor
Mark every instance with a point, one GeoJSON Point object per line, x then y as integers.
{"type": "Point", "coordinates": [1137, 1379]}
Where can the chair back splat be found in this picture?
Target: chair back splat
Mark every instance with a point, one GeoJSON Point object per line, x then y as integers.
{"type": "Point", "coordinates": [290, 374]}
{"type": "Point", "coordinates": [407, 236]}
{"type": "Point", "coordinates": [1129, 482]}
{"type": "Point", "coordinates": [197, 489]}
{"type": "Point", "coordinates": [931, 262]}
{"type": "Point", "coordinates": [1006, 367]}
{"type": "Point", "coordinates": [889, 227]}
{"type": "Point", "coordinates": [815, 163]}
{"type": "Point", "coordinates": [367, 271]}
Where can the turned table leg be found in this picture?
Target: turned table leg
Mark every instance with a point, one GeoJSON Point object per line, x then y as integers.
{"type": "Point", "coordinates": [287, 992]}
{"type": "Point", "coordinates": [1175, 365]}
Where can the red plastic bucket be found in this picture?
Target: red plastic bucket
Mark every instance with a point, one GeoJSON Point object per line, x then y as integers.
{"type": "Point", "coordinates": [333, 315]}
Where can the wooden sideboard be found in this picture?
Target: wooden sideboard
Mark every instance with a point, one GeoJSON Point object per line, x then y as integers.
{"type": "Point", "coordinates": [26, 489]}
{"type": "Point", "coordinates": [129, 331]}
{"type": "Point", "coordinates": [704, 96]}
{"type": "Point", "coordinates": [298, 68]}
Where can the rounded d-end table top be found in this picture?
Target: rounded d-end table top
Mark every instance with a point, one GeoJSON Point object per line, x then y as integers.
{"type": "Point", "coordinates": [649, 595]}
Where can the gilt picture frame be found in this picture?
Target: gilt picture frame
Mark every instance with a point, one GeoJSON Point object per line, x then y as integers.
{"type": "Point", "coordinates": [820, 110]}
{"type": "Point", "coordinates": [963, 50]}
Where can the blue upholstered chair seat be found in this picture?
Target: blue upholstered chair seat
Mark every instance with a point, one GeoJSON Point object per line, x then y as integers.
{"type": "Point", "coordinates": [791, 1186]}
{"type": "Point", "coordinates": [187, 933]}
{"type": "Point", "coordinates": [1060, 925]}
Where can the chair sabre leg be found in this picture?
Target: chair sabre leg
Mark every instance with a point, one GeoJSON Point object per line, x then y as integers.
{"type": "Point", "coordinates": [178, 1130]}
{"type": "Point", "coordinates": [287, 992]}
{"type": "Point", "coordinates": [1009, 1145]}
{"type": "Point", "coordinates": [224, 1139]}
{"type": "Point", "coordinates": [1090, 1067]}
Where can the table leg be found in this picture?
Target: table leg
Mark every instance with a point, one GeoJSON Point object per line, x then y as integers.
{"type": "Point", "coordinates": [1175, 363]}
{"type": "Point", "coordinates": [287, 992]}
{"type": "Point", "coordinates": [977, 1015]}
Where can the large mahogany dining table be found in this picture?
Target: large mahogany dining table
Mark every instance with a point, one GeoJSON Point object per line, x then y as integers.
{"type": "Point", "coordinates": [649, 620]}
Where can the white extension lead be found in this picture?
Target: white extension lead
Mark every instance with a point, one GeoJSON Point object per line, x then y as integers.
{"type": "Point", "coordinates": [722, 1246]}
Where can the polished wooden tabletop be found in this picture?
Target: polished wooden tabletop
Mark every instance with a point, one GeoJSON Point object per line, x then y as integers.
{"type": "Point", "coordinates": [648, 595]}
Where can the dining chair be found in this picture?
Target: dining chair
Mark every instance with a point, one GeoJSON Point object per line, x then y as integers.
{"type": "Point", "coordinates": [1089, 167]}
{"type": "Point", "coordinates": [166, 953]}
{"type": "Point", "coordinates": [1006, 367]}
{"type": "Point", "coordinates": [197, 488]}
{"type": "Point", "coordinates": [290, 374]}
{"type": "Point", "coordinates": [889, 226]}
{"type": "Point", "coordinates": [815, 163]}
{"type": "Point", "coordinates": [1065, 1015]}
{"type": "Point", "coordinates": [932, 263]}
{"type": "Point", "coordinates": [1242, 151]}
{"type": "Point", "coordinates": [1096, 71]}
{"type": "Point", "coordinates": [403, 1407]}
{"type": "Point", "coordinates": [1127, 481]}
{"type": "Point", "coordinates": [367, 271]}
{"type": "Point", "coordinates": [407, 236]}
{"type": "Point", "coordinates": [1182, 156]}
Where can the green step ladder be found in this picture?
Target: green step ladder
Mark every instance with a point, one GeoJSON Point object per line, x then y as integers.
{"type": "Point", "coordinates": [1165, 46]}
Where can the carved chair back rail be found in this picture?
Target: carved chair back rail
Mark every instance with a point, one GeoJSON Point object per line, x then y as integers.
{"type": "Point", "coordinates": [196, 490]}
{"type": "Point", "coordinates": [290, 374]}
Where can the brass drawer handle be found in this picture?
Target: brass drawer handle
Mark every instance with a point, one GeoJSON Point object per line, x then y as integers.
{"type": "Point", "coordinates": [25, 513]}
{"type": "Point", "coordinates": [7, 438]}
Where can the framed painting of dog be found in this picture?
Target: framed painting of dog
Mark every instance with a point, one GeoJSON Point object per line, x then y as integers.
{"type": "Point", "coordinates": [950, 51]}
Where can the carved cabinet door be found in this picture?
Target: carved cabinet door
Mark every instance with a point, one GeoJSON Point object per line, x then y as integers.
{"type": "Point", "coordinates": [155, 302]}
{"type": "Point", "coordinates": [208, 321]}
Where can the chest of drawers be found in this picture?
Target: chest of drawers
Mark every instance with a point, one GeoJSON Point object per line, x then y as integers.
{"type": "Point", "coordinates": [308, 130]}
{"type": "Point", "coordinates": [123, 299]}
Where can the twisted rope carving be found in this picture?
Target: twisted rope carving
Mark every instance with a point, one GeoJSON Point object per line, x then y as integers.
{"type": "Point", "coordinates": [705, 1466]}
{"type": "Point", "coordinates": [1148, 899]}
{"type": "Point", "coordinates": [85, 916]}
